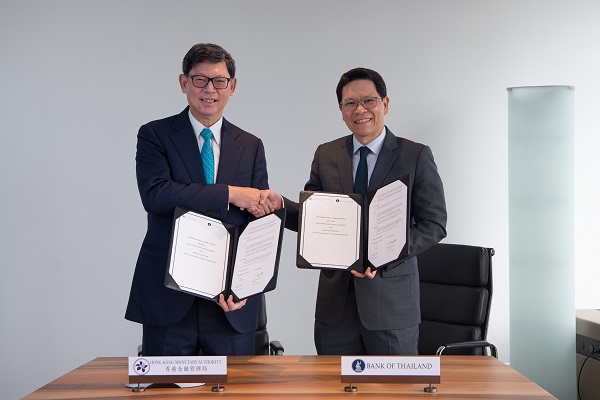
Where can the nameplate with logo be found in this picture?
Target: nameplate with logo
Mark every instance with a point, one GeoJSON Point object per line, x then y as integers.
{"type": "Point", "coordinates": [199, 369]}
{"type": "Point", "coordinates": [390, 369]}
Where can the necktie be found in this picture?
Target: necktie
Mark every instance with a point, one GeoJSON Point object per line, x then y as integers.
{"type": "Point", "coordinates": [208, 160]}
{"type": "Point", "coordinates": [361, 180]}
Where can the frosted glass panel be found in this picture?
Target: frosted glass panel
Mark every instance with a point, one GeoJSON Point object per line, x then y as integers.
{"type": "Point", "coordinates": [542, 281]}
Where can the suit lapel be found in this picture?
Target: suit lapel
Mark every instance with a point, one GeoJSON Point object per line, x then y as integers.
{"type": "Point", "coordinates": [184, 139]}
{"type": "Point", "coordinates": [231, 153]}
{"type": "Point", "coordinates": [385, 160]}
{"type": "Point", "coordinates": [345, 166]}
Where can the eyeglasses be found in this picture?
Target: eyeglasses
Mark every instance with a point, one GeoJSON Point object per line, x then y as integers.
{"type": "Point", "coordinates": [201, 81]}
{"type": "Point", "coordinates": [367, 102]}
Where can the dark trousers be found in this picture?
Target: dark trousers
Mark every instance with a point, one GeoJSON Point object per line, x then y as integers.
{"type": "Point", "coordinates": [350, 337]}
{"type": "Point", "coordinates": [205, 330]}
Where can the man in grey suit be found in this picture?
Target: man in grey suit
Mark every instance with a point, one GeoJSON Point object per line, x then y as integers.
{"type": "Point", "coordinates": [375, 312]}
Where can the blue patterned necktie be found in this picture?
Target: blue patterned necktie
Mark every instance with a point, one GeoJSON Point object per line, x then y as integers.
{"type": "Point", "coordinates": [361, 180]}
{"type": "Point", "coordinates": [208, 159]}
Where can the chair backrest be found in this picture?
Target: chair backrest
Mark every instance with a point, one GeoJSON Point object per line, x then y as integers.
{"type": "Point", "coordinates": [456, 296]}
{"type": "Point", "coordinates": [262, 336]}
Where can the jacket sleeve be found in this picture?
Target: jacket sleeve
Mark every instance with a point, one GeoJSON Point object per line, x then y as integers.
{"type": "Point", "coordinates": [428, 205]}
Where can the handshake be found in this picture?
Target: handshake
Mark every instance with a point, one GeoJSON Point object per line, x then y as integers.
{"type": "Point", "coordinates": [257, 202]}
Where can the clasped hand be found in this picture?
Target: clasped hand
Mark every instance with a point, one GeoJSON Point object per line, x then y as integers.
{"type": "Point", "coordinates": [268, 202]}
{"type": "Point", "coordinates": [257, 202]}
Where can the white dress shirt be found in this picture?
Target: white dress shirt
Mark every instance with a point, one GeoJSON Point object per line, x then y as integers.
{"type": "Point", "coordinates": [215, 142]}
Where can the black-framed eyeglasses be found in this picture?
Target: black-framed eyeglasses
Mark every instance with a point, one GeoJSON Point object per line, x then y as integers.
{"type": "Point", "coordinates": [367, 102]}
{"type": "Point", "coordinates": [201, 81]}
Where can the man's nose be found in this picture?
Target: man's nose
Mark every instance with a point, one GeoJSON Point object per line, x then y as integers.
{"type": "Point", "coordinates": [210, 87]}
{"type": "Point", "coordinates": [360, 108]}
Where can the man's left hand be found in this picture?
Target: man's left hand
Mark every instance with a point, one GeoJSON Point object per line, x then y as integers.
{"type": "Point", "coordinates": [368, 273]}
{"type": "Point", "coordinates": [230, 305]}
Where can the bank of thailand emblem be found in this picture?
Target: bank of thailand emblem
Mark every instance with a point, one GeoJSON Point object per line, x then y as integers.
{"type": "Point", "coordinates": [358, 365]}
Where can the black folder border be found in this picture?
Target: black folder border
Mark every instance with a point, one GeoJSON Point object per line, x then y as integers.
{"type": "Point", "coordinates": [364, 201]}
{"type": "Point", "coordinates": [403, 255]}
{"type": "Point", "coordinates": [301, 262]}
{"type": "Point", "coordinates": [272, 284]}
{"type": "Point", "coordinates": [235, 232]}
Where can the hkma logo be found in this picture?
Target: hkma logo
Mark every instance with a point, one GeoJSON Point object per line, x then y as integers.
{"type": "Point", "coordinates": [141, 366]}
{"type": "Point", "coordinates": [358, 365]}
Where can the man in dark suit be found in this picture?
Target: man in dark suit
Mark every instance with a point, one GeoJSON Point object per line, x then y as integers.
{"type": "Point", "coordinates": [375, 312]}
{"type": "Point", "coordinates": [170, 172]}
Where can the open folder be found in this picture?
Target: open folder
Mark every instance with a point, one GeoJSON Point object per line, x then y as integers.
{"type": "Point", "coordinates": [208, 257]}
{"type": "Point", "coordinates": [353, 231]}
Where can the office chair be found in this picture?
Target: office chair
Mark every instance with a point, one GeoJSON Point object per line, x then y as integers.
{"type": "Point", "coordinates": [456, 296]}
{"type": "Point", "coordinates": [262, 344]}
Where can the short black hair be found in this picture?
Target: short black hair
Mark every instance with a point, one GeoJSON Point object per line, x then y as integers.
{"type": "Point", "coordinates": [361, 73]}
{"type": "Point", "coordinates": [209, 52]}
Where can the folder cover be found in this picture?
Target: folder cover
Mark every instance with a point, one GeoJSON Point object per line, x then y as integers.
{"type": "Point", "coordinates": [208, 257]}
{"type": "Point", "coordinates": [350, 231]}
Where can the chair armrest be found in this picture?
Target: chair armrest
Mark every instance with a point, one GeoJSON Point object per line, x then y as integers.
{"type": "Point", "coordinates": [468, 345]}
{"type": "Point", "coordinates": [276, 348]}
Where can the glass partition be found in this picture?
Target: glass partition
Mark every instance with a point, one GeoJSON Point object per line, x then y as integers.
{"type": "Point", "coordinates": [541, 192]}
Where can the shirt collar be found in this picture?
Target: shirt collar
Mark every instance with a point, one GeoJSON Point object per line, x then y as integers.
{"type": "Point", "coordinates": [215, 128]}
{"type": "Point", "coordinates": [374, 145]}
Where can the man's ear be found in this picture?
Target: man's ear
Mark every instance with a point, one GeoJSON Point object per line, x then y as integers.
{"type": "Point", "coordinates": [232, 85]}
{"type": "Point", "coordinates": [183, 83]}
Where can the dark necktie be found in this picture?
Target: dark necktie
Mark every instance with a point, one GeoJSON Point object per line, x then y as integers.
{"type": "Point", "coordinates": [208, 159]}
{"type": "Point", "coordinates": [361, 180]}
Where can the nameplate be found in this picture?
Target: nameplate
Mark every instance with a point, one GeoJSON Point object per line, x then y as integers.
{"type": "Point", "coordinates": [199, 369]}
{"type": "Point", "coordinates": [390, 369]}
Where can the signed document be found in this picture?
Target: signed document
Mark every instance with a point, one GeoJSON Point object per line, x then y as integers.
{"type": "Point", "coordinates": [209, 257]}
{"type": "Point", "coordinates": [353, 231]}
{"type": "Point", "coordinates": [387, 223]}
{"type": "Point", "coordinates": [331, 224]}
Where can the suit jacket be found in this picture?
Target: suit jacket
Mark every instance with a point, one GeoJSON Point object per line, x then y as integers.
{"type": "Point", "coordinates": [169, 174]}
{"type": "Point", "coordinates": [391, 300]}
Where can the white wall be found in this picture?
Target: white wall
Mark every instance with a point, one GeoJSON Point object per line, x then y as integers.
{"type": "Point", "coordinates": [79, 78]}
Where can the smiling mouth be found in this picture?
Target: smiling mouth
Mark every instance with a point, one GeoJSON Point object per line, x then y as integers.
{"type": "Point", "coordinates": [362, 121]}
{"type": "Point", "coordinates": [209, 100]}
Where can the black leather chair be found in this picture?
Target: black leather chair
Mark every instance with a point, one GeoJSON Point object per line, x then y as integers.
{"type": "Point", "coordinates": [262, 344]}
{"type": "Point", "coordinates": [456, 296]}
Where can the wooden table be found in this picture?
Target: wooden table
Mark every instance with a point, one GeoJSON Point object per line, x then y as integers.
{"type": "Point", "coordinates": [299, 377]}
